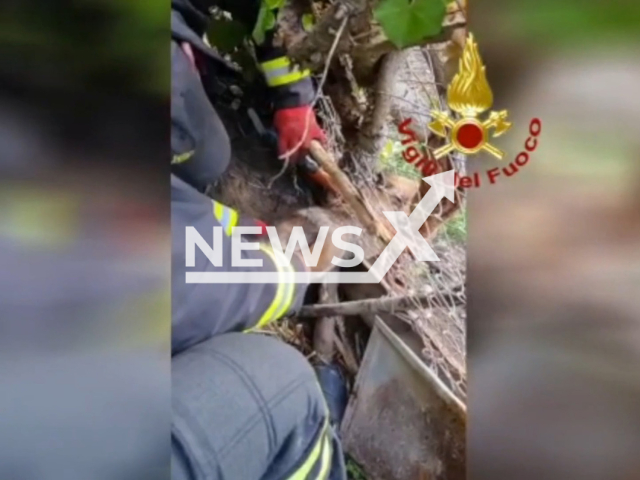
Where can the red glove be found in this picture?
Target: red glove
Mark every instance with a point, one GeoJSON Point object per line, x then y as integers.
{"type": "Point", "coordinates": [293, 140]}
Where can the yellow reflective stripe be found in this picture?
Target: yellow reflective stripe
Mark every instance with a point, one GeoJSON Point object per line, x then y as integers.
{"type": "Point", "coordinates": [182, 157]}
{"type": "Point", "coordinates": [269, 315]}
{"type": "Point", "coordinates": [233, 221]}
{"type": "Point", "coordinates": [307, 466]}
{"type": "Point", "coordinates": [290, 285]}
{"type": "Point", "coordinates": [218, 210]}
{"type": "Point", "coordinates": [275, 64]}
{"type": "Point", "coordinates": [280, 71]}
{"type": "Point", "coordinates": [227, 217]}
{"type": "Point", "coordinates": [326, 459]}
{"type": "Point", "coordinates": [287, 297]}
{"type": "Point", "coordinates": [279, 80]}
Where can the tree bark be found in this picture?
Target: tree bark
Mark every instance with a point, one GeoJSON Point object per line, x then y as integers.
{"type": "Point", "coordinates": [373, 131]}
{"type": "Point", "coordinates": [311, 51]}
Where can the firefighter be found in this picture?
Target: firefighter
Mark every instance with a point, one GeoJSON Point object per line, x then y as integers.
{"type": "Point", "coordinates": [244, 405]}
{"type": "Point", "coordinates": [291, 91]}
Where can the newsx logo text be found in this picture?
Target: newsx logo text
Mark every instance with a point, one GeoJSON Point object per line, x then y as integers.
{"type": "Point", "coordinates": [407, 236]}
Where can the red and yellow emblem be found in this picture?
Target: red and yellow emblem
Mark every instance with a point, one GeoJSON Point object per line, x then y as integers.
{"type": "Point", "coordinates": [469, 94]}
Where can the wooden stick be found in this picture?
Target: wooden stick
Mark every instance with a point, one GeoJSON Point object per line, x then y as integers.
{"type": "Point", "coordinates": [349, 192]}
{"type": "Point", "coordinates": [383, 305]}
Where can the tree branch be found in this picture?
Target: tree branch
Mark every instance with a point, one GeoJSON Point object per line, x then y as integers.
{"type": "Point", "coordinates": [350, 193]}
{"type": "Point", "coordinates": [383, 305]}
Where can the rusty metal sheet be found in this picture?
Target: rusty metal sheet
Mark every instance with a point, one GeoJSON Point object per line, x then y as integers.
{"type": "Point", "coordinates": [402, 422]}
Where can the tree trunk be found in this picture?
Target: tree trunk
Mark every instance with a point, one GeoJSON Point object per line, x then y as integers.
{"type": "Point", "coordinates": [373, 131]}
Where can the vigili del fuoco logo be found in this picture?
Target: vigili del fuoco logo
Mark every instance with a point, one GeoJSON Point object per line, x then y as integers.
{"type": "Point", "coordinates": [469, 96]}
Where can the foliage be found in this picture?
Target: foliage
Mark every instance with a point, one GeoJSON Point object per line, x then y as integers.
{"type": "Point", "coordinates": [354, 472]}
{"type": "Point", "coordinates": [101, 43]}
{"type": "Point", "coordinates": [226, 34]}
{"type": "Point", "coordinates": [391, 160]}
{"type": "Point", "coordinates": [571, 20]}
{"type": "Point", "coordinates": [456, 228]}
{"type": "Point", "coordinates": [407, 22]}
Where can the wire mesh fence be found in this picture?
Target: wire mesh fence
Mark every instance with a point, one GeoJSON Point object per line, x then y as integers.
{"type": "Point", "coordinates": [442, 325]}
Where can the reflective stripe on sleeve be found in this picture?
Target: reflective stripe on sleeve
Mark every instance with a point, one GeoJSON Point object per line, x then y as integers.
{"type": "Point", "coordinates": [286, 288]}
{"type": "Point", "coordinates": [325, 461]}
{"type": "Point", "coordinates": [280, 72]}
{"type": "Point", "coordinates": [227, 217]}
{"type": "Point", "coordinates": [290, 284]}
{"type": "Point", "coordinates": [182, 157]}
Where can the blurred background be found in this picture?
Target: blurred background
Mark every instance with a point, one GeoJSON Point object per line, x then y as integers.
{"type": "Point", "coordinates": [84, 240]}
{"type": "Point", "coordinates": [554, 251]}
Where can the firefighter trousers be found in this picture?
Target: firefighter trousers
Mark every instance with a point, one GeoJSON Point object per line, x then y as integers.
{"type": "Point", "coordinates": [248, 406]}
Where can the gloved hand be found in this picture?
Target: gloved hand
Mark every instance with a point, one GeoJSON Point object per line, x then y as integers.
{"type": "Point", "coordinates": [293, 139]}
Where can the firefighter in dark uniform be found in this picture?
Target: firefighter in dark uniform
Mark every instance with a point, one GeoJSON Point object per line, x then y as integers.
{"type": "Point", "coordinates": [245, 405]}
{"type": "Point", "coordinates": [291, 91]}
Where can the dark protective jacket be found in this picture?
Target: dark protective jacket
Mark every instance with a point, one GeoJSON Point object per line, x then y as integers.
{"type": "Point", "coordinates": [294, 445]}
{"type": "Point", "coordinates": [289, 86]}
{"type": "Point", "coordinates": [199, 142]}
{"type": "Point", "coordinates": [200, 311]}
{"type": "Point", "coordinates": [201, 153]}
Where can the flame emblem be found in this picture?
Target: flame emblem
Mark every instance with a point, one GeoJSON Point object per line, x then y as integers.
{"type": "Point", "coordinates": [469, 95]}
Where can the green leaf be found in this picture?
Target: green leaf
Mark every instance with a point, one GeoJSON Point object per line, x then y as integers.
{"type": "Point", "coordinates": [226, 35]}
{"type": "Point", "coordinates": [407, 22]}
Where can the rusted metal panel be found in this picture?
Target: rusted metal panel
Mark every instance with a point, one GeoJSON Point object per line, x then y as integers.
{"type": "Point", "coordinates": [402, 422]}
